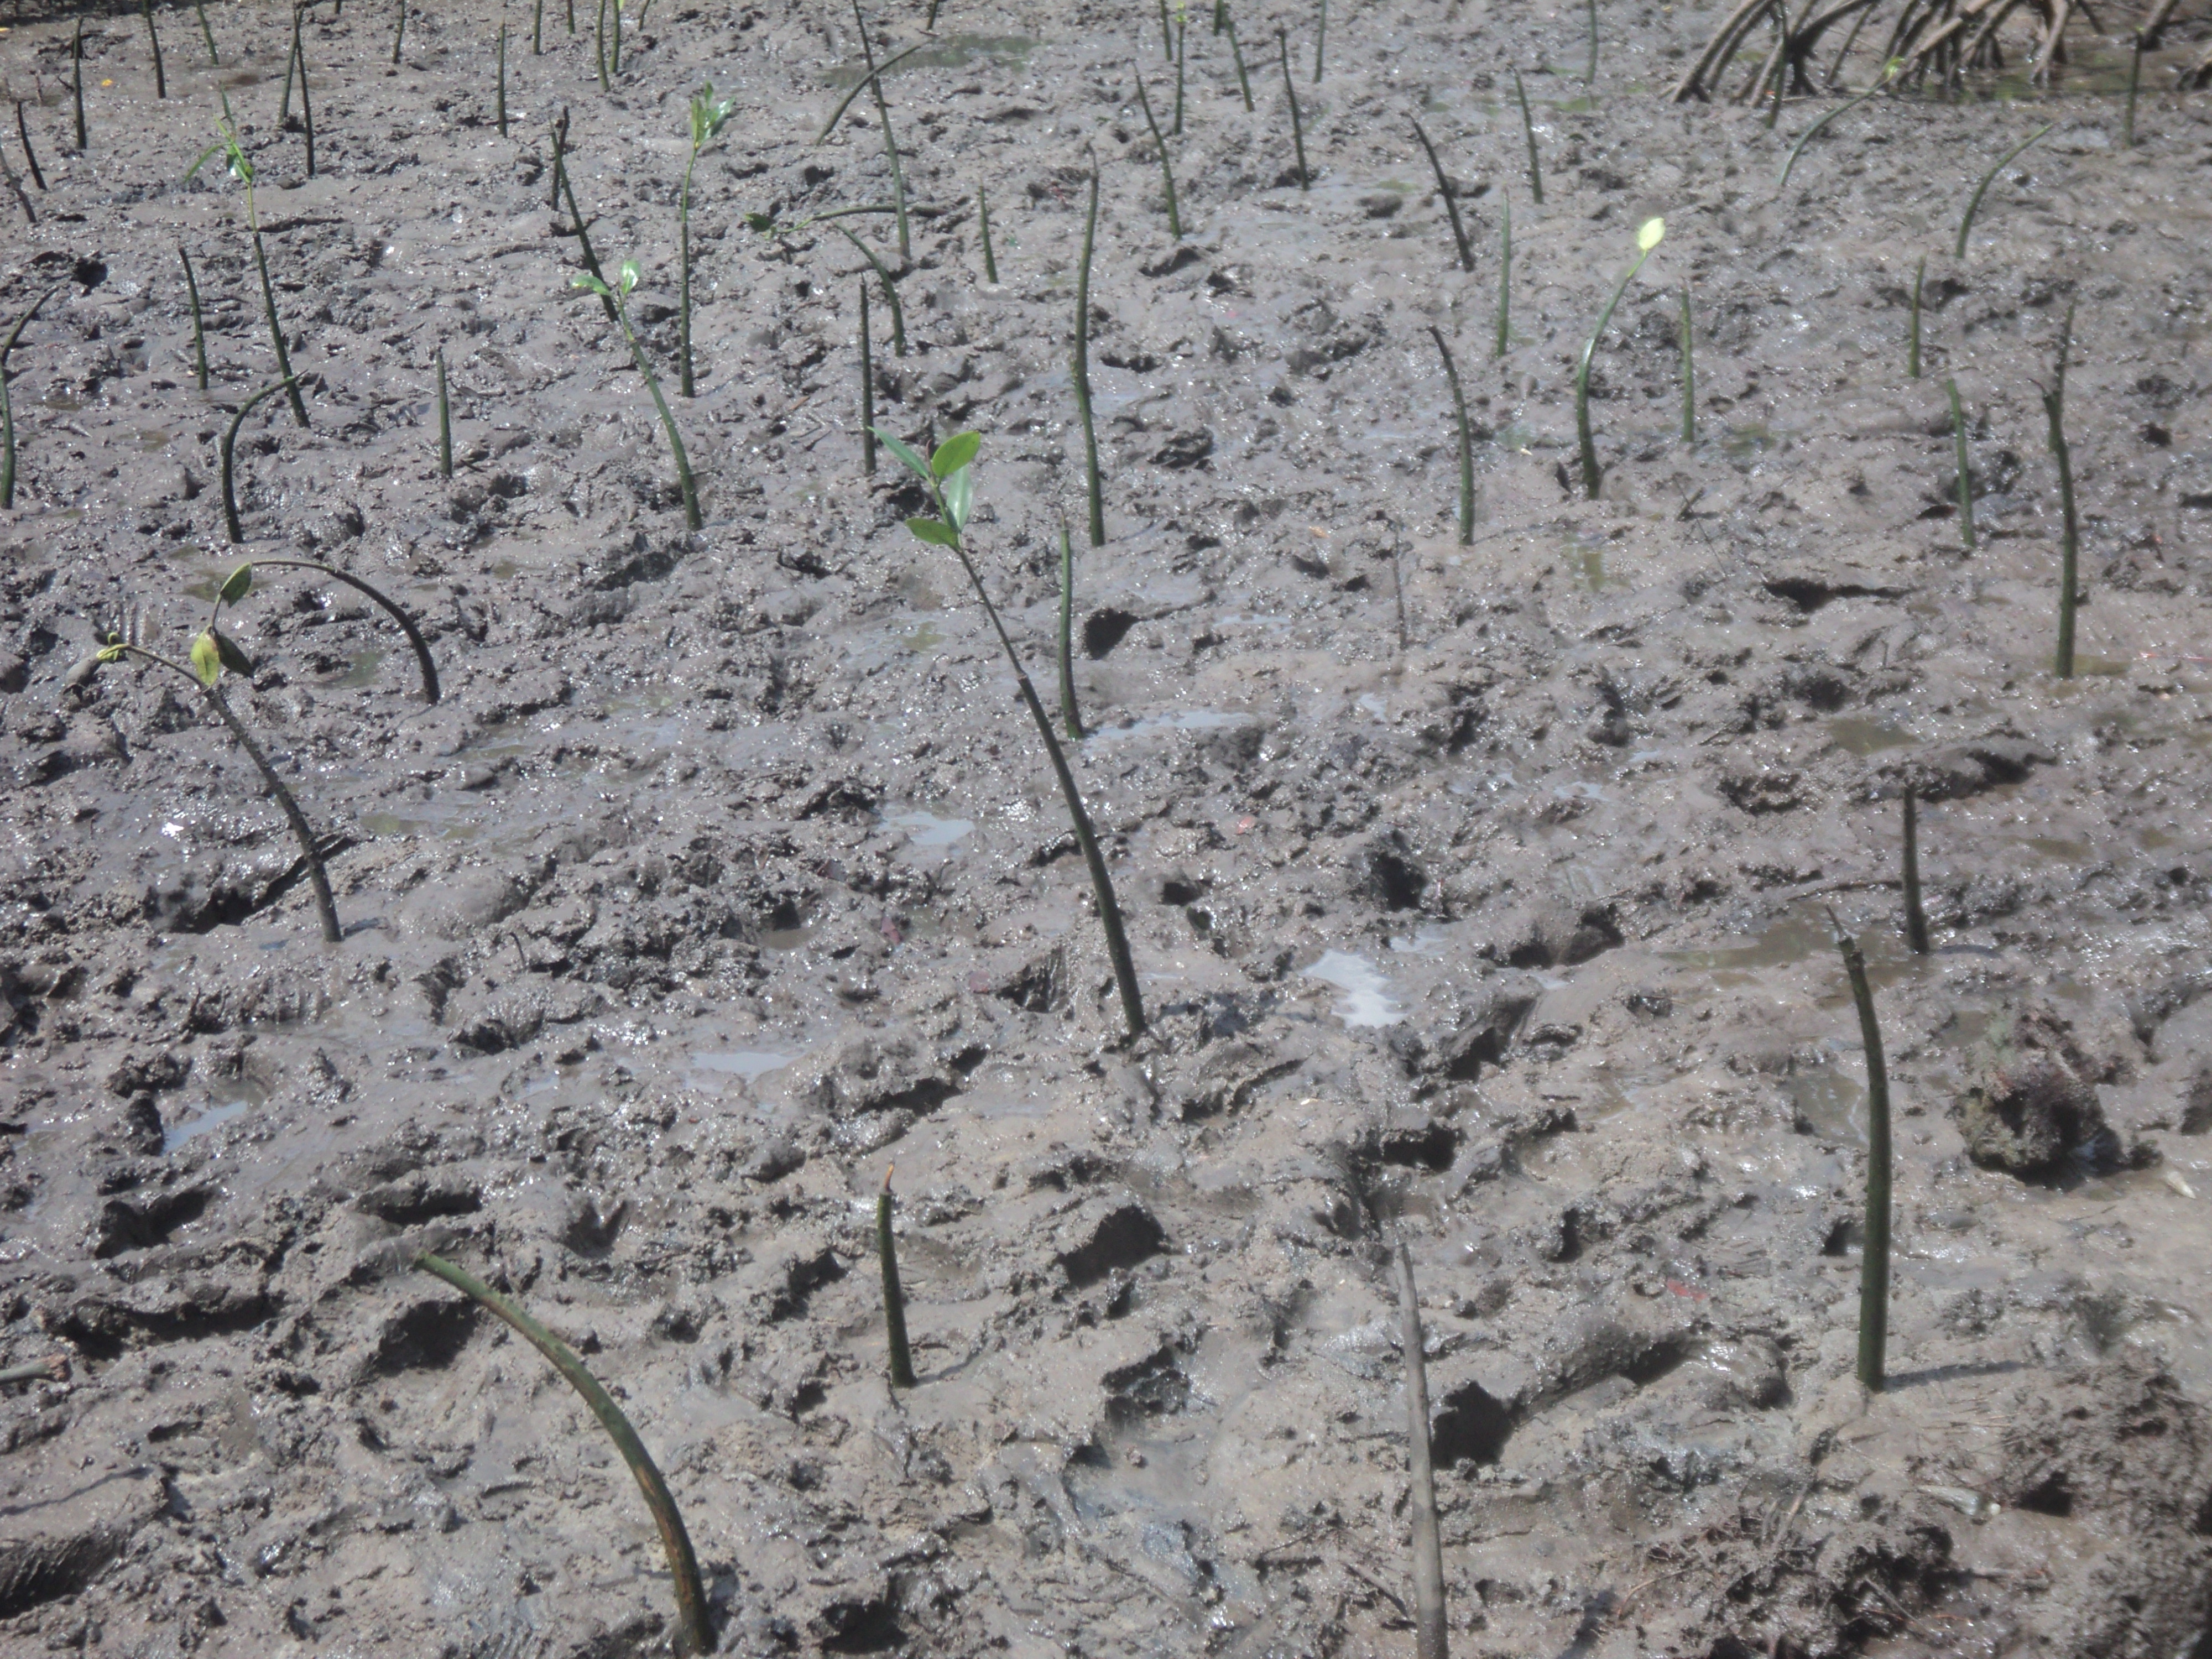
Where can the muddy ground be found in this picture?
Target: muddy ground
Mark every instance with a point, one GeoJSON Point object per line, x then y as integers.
{"type": "Point", "coordinates": [1476, 891]}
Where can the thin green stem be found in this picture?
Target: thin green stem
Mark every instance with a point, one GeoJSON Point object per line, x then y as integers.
{"type": "Point", "coordinates": [291, 60]}
{"type": "Point", "coordinates": [1912, 343]}
{"type": "Point", "coordinates": [1591, 475]}
{"type": "Point", "coordinates": [1505, 275]}
{"type": "Point", "coordinates": [1873, 1267]}
{"type": "Point", "coordinates": [584, 249]}
{"type": "Point", "coordinates": [1844, 108]}
{"type": "Point", "coordinates": [1689, 372]}
{"type": "Point", "coordinates": [160, 80]}
{"type": "Point", "coordinates": [692, 519]}
{"type": "Point", "coordinates": [1466, 440]}
{"type": "Point", "coordinates": [207, 34]}
{"type": "Point", "coordinates": [398, 30]}
{"type": "Point", "coordinates": [229, 445]}
{"type": "Point", "coordinates": [307, 111]}
{"type": "Point", "coordinates": [1965, 465]}
{"type": "Point", "coordinates": [683, 382]}
{"type": "Point", "coordinates": [1182, 30]}
{"type": "Point", "coordinates": [890, 144]}
{"type": "Point", "coordinates": [1237, 56]}
{"type": "Point", "coordinates": [984, 218]}
{"type": "Point", "coordinates": [1298, 122]}
{"type": "Point", "coordinates": [1915, 918]}
{"type": "Point", "coordinates": [1166, 34]}
{"type": "Point", "coordinates": [1321, 38]}
{"type": "Point", "coordinates": [902, 1358]}
{"type": "Point", "coordinates": [500, 105]}
{"type": "Point", "coordinates": [392, 608]}
{"type": "Point", "coordinates": [445, 422]}
{"type": "Point", "coordinates": [890, 289]}
{"type": "Point", "coordinates": [1529, 136]}
{"type": "Point", "coordinates": [199, 330]}
{"type": "Point", "coordinates": [1974, 201]}
{"type": "Point", "coordinates": [1430, 1637]}
{"type": "Point", "coordinates": [76, 84]}
{"type": "Point", "coordinates": [1167, 173]}
{"type": "Point", "coordinates": [600, 45]}
{"type": "Point", "coordinates": [696, 1634]}
{"type": "Point", "coordinates": [538, 28]}
{"type": "Point", "coordinates": [277, 333]}
{"type": "Point", "coordinates": [1450, 202]}
{"type": "Point", "coordinates": [867, 389]}
{"type": "Point", "coordinates": [865, 83]}
{"type": "Point", "coordinates": [2134, 81]}
{"type": "Point", "coordinates": [614, 40]}
{"type": "Point", "coordinates": [6, 403]}
{"type": "Point", "coordinates": [1069, 714]}
{"type": "Point", "coordinates": [1220, 14]}
{"type": "Point", "coordinates": [1590, 68]}
{"type": "Point", "coordinates": [2054, 407]}
{"type": "Point", "coordinates": [1081, 377]}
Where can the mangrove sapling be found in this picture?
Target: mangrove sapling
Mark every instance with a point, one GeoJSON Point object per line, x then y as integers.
{"type": "Point", "coordinates": [902, 1358]}
{"type": "Point", "coordinates": [694, 1633]}
{"type": "Point", "coordinates": [600, 45]}
{"type": "Point", "coordinates": [614, 40]}
{"type": "Point", "coordinates": [1590, 68]}
{"type": "Point", "coordinates": [584, 249]}
{"type": "Point", "coordinates": [983, 219]}
{"type": "Point", "coordinates": [199, 331]}
{"type": "Point", "coordinates": [1451, 201]}
{"type": "Point", "coordinates": [1237, 57]}
{"type": "Point", "coordinates": [619, 295]}
{"type": "Point", "coordinates": [864, 84]}
{"type": "Point", "coordinates": [890, 144]}
{"type": "Point", "coordinates": [1529, 137]}
{"type": "Point", "coordinates": [1889, 73]}
{"type": "Point", "coordinates": [1466, 440]}
{"type": "Point", "coordinates": [1912, 343]}
{"type": "Point", "coordinates": [1321, 36]}
{"type": "Point", "coordinates": [30, 155]}
{"type": "Point", "coordinates": [1647, 238]}
{"type": "Point", "coordinates": [241, 169]}
{"type": "Point", "coordinates": [1965, 466]}
{"type": "Point", "coordinates": [1504, 274]}
{"type": "Point", "coordinates": [1167, 173]}
{"type": "Point", "coordinates": [1873, 1267]}
{"type": "Point", "coordinates": [1069, 714]}
{"type": "Point", "coordinates": [1220, 14]}
{"type": "Point", "coordinates": [398, 30]}
{"type": "Point", "coordinates": [2054, 409]}
{"type": "Point", "coordinates": [215, 58]}
{"type": "Point", "coordinates": [291, 61]}
{"type": "Point", "coordinates": [1297, 122]}
{"type": "Point", "coordinates": [1429, 1624]}
{"type": "Point", "coordinates": [160, 81]}
{"type": "Point", "coordinates": [1081, 377]}
{"type": "Point", "coordinates": [1689, 373]}
{"type": "Point", "coordinates": [538, 28]}
{"type": "Point", "coordinates": [2134, 80]}
{"type": "Point", "coordinates": [307, 113]}
{"type": "Point", "coordinates": [499, 105]}
{"type": "Point", "coordinates": [890, 289]}
{"type": "Point", "coordinates": [1915, 917]}
{"type": "Point", "coordinates": [76, 83]}
{"type": "Point", "coordinates": [15, 188]}
{"type": "Point", "coordinates": [709, 115]}
{"type": "Point", "coordinates": [213, 652]}
{"type": "Point", "coordinates": [946, 475]}
{"type": "Point", "coordinates": [445, 422]}
{"type": "Point", "coordinates": [1182, 30]}
{"type": "Point", "coordinates": [7, 404]}
{"type": "Point", "coordinates": [868, 391]}
{"type": "Point", "coordinates": [1974, 201]}
{"type": "Point", "coordinates": [240, 582]}
{"type": "Point", "coordinates": [229, 445]}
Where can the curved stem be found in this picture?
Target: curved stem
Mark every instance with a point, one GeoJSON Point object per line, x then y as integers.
{"type": "Point", "coordinates": [692, 517]}
{"type": "Point", "coordinates": [229, 444]}
{"type": "Point", "coordinates": [1466, 440]}
{"type": "Point", "coordinates": [1451, 203]}
{"type": "Point", "coordinates": [1167, 173]}
{"type": "Point", "coordinates": [891, 291]}
{"type": "Point", "coordinates": [431, 692]}
{"type": "Point", "coordinates": [862, 85]}
{"type": "Point", "coordinates": [1082, 375]}
{"type": "Point", "coordinates": [1874, 1268]}
{"type": "Point", "coordinates": [1591, 474]}
{"type": "Point", "coordinates": [1430, 1640]}
{"type": "Point", "coordinates": [1974, 201]}
{"type": "Point", "coordinates": [1798, 148]}
{"type": "Point", "coordinates": [1529, 135]}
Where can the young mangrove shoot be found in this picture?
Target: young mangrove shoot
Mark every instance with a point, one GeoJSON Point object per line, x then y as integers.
{"type": "Point", "coordinates": [499, 104]}
{"type": "Point", "coordinates": [1889, 74]}
{"type": "Point", "coordinates": [1974, 201]}
{"type": "Point", "coordinates": [1450, 202]}
{"type": "Point", "coordinates": [240, 168]}
{"type": "Point", "coordinates": [1070, 716]}
{"type": "Point", "coordinates": [1321, 38]}
{"type": "Point", "coordinates": [1504, 275]}
{"type": "Point", "coordinates": [1689, 372]}
{"type": "Point", "coordinates": [584, 251]}
{"type": "Point", "coordinates": [1647, 238]}
{"type": "Point", "coordinates": [199, 329]}
{"type": "Point", "coordinates": [1167, 173]}
{"type": "Point", "coordinates": [945, 474]}
{"type": "Point", "coordinates": [229, 450]}
{"type": "Point", "coordinates": [7, 404]}
{"type": "Point", "coordinates": [983, 219]}
{"type": "Point", "coordinates": [30, 155]}
{"type": "Point", "coordinates": [1237, 57]}
{"type": "Point", "coordinates": [291, 62]}
{"type": "Point", "coordinates": [902, 1358]}
{"type": "Point", "coordinates": [1529, 137]}
{"type": "Point", "coordinates": [709, 115]}
{"type": "Point", "coordinates": [207, 34]}
{"type": "Point", "coordinates": [398, 30]}
{"type": "Point", "coordinates": [2134, 81]}
{"type": "Point", "coordinates": [1298, 122]}
{"type": "Point", "coordinates": [1182, 30]}
{"type": "Point", "coordinates": [538, 28]}
{"type": "Point", "coordinates": [76, 83]}
{"type": "Point", "coordinates": [890, 145]}
{"type": "Point", "coordinates": [445, 422]}
{"type": "Point", "coordinates": [1912, 341]}
{"type": "Point", "coordinates": [1965, 465]}
{"type": "Point", "coordinates": [619, 294]}
{"type": "Point", "coordinates": [890, 289]}
{"type": "Point", "coordinates": [695, 1634]}
{"type": "Point", "coordinates": [1915, 917]}
{"type": "Point", "coordinates": [868, 391]}
{"type": "Point", "coordinates": [2054, 409]}
{"type": "Point", "coordinates": [1430, 1640]}
{"type": "Point", "coordinates": [1081, 377]}
{"type": "Point", "coordinates": [160, 81]}
{"type": "Point", "coordinates": [308, 112]}
{"type": "Point", "coordinates": [239, 583]}
{"type": "Point", "coordinates": [1873, 1267]}
{"type": "Point", "coordinates": [1466, 440]}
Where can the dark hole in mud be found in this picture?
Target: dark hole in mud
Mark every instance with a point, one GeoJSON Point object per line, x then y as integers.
{"type": "Point", "coordinates": [90, 272]}
{"type": "Point", "coordinates": [1654, 1361]}
{"type": "Point", "coordinates": [1104, 629]}
{"type": "Point", "coordinates": [800, 1280]}
{"type": "Point", "coordinates": [428, 1336]}
{"type": "Point", "coordinates": [1470, 1426]}
{"type": "Point", "coordinates": [1153, 1386]}
{"type": "Point", "coordinates": [1122, 1240]}
{"type": "Point", "coordinates": [852, 1626]}
{"type": "Point", "coordinates": [2049, 1497]}
{"type": "Point", "coordinates": [1425, 1146]}
{"type": "Point", "coordinates": [1175, 891]}
{"type": "Point", "coordinates": [1845, 1235]}
{"type": "Point", "coordinates": [140, 1223]}
{"type": "Point", "coordinates": [1397, 882]}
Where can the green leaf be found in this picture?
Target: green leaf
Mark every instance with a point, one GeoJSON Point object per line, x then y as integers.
{"type": "Point", "coordinates": [1648, 236]}
{"type": "Point", "coordinates": [207, 659]}
{"type": "Point", "coordinates": [594, 283]}
{"type": "Point", "coordinates": [237, 586]}
{"type": "Point", "coordinates": [905, 452]}
{"type": "Point", "coordinates": [957, 492]}
{"type": "Point", "coordinates": [631, 274]}
{"type": "Point", "coordinates": [203, 160]}
{"type": "Point", "coordinates": [955, 452]}
{"type": "Point", "coordinates": [934, 531]}
{"type": "Point", "coordinates": [763, 223]}
{"type": "Point", "coordinates": [112, 653]}
{"type": "Point", "coordinates": [231, 657]}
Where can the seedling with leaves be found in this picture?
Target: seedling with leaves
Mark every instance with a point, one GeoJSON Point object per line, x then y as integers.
{"type": "Point", "coordinates": [2054, 410]}
{"type": "Point", "coordinates": [875, 84]}
{"type": "Point", "coordinates": [946, 475]}
{"type": "Point", "coordinates": [1450, 202]}
{"type": "Point", "coordinates": [1466, 439]}
{"type": "Point", "coordinates": [902, 1360]}
{"type": "Point", "coordinates": [1647, 238]}
{"type": "Point", "coordinates": [7, 404]}
{"type": "Point", "coordinates": [618, 294]}
{"type": "Point", "coordinates": [1874, 1265]}
{"type": "Point", "coordinates": [709, 115]}
{"type": "Point", "coordinates": [239, 167]}
{"type": "Point", "coordinates": [236, 586]}
{"type": "Point", "coordinates": [695, 1634]}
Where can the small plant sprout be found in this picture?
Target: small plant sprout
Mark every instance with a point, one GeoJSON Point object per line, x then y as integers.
{"type": "Point", "coordinates": [1974, 201]}
{"type": "Point", "coordinates": [240, 168]}
{"type": "Point", "coordinates": [1081, 378]}
{"type": "Point", "coordinates": [1182, 32]}
{"type": "Point", "coordinates": [214, 57]}
{"type": "Point", "coordinates": [160, 81]}
{"type": "Point", "coordinates": [694, 1635]}
{"type": "Point", "coordinates": [1237, 57]}
{"type": "Point", "coordinates": [1166, 34]}
{"type": "Point", "coordinates": [1647, 238]}
{"type": "Point", "coordinates": [199, 331]}
{"type": "Point", "coordinates": [1429, 1639]}
{"type": "Point", "coordinates": [1689, 371]}
{"type": "Point", "coordinates": [1889, 73]}
{"type": "Point", "coordinates": [598, 284]}
{"type": "Point", "coordinates": [1298, 122]}
{"type": "Point", "coordinates": [1505, 275]}
{"type": "Point", "coordinates": [2134, 81]}
{"type": "Point", "coordinates": [946, 475]}
{"type": "Point", "coordinates": [1874, 1265]}
{"type": "Point", "coordinates": [499, 105]}
{"type": "Point", "coordinates": [1965, 465]}
{"type": "Point", "coordinates": [213, 652]}
{"type": "Point", "coordinates": [709, 115]}
{"type": "Point", "coordinates": [1466, 439]}
{"type": "Point", "coordinates": [1070, 716]}
{"type": "Point", "coordinates": [230, 448]}
{"type": "Point", "coordinates": [1915, 917]}
{"type": "Point", "coordinates": [890, 144]}
{"type": "Point", "coordinates": [291, 62]}
{"type": "Point", "coordinates": [1590, 68]}
{"type": "Point", "coordinates": [619, 295]}
{"type": "Point", "coordinates": [599, 46]}
{"type": "Point", "coordinates": [1529, 137]}
{"type": "Point", "coordinates": [239, 583]}
{"type": "Point", "coordinates": [983, 219]}
{"type": "Point", "coordinates": [902, 1358]}
{"type": "Point", "coordinates": [2069, 545]}
{"type": "Point", "coordinates": [1320, 37]}
{"type": "Point", "coordinates": [398, 30]}
{"type": "Point", "coordinates": [1912, 341]}
{"type": "Point", "coordinates": [307, 112]}
{"type": "Point", "coordinates": [538, 28]}
{"type": "Point", "coordinates": [7, 404]}
{"type": "Point", "coordinates": [890, 289]}
{"type": "Point", "coordinates": [1166, 173]}
{"type": "Point", "coordinates": [868, 391]}
{"type": "Point", "coordinates": [30, 155]}
{"type": "Point", "coordinates": [445, 422]}
{"type": "Point", "coordinates": [15, 186]}
{"type": "Point", "coordinates": [862, 85]}
{"type": "Point", "coordinates": [1450, 202]}
{"type": "Point", "coordinates": [76, 84]}
{"type": "Point", "coordinates": [1220, 14]}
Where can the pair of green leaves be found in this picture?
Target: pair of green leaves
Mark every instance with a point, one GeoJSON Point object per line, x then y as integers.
{"type": "Point", "coordinates": [709, 115]}
{"type": "Point", "coordinates": [215, 651]}
{"type": "Point", "coordinates": [626, 280]}
{"type": "Point", "coordinates": [227, 145]}
{"type": "Point", "coordinates": [946, 473]}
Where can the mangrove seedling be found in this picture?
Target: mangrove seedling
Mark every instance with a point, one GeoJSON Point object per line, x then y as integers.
{"type": "Point", "coordinates": [1529, 137]}
{"type": "Point", "coordinates": [618, 295]}
{"type": "Point", "coordinates": [445, 422]}
{"type": "Point", "coordinates": [1070, 716]}
{"type": "Point", "coordinates": [307, 112]}
{"type": "Point", "coordinates": [902, 1358]}
{"type": "Point", "coordinates": [76, 83]}
{"type": "Point", "coordinates": [1889, 74]}
{"type": "Point", "coordinates": [212, 652]}
{"type": "Point", "coordinates": [1298, 122]}
{"type": "Point", "coordinates": [600, 45]}
{"type": "Point", "coordinates": [1974, 201]}
{"type": "Point", "coordinates": [538, 28]}
{"type": "Point", "coordinates": [2054, 409]}
{"type": "Point", "coordinates": [1915, 917]}
{"type": "Point", "coordinates": [1166, 34]}
{"type": "Point", "coordinates": [868, 391]}
{"type": "Point", "coordinates": [694, 1633]}
{"type": "Point", "coordinates": [862, 85]}
{"type": "Point", "coordinates": [1320, 37]}
{"type": "Point", "coordinates": [1237, 57]}
{"type": "Point", "coordinates": [983, 219]}
{"type": "Point", "coordinates": [7, 404]}
{"type": "Point", "coordinates": [1912, 342]}
{"type": "Point", "coordinates": [584, 251]}
{"type": "Point", "coordinates": [239, 583]}
{"type": "Point", "coordinates": [709, 115]}
{"type": "Point", "coordinates": [1181, 31]}
{"type": "Point", "coordinates": [398, 30]}
{"type": "Point", "coordinates": [1873, 1267]}
{"type": "Point", "coordinates": [1220, 14]}
{"type": "Point", "coordinates": [890, 289]}
{"type": "Point", "coordinates": [215, 58]}
{"type": "Point", "coordinates": [160, 81]}
{"type": "Point", "coordinates": [890, 145]}
{"type": "Point", "coordinates": [30, 155]}
{"type": "Point", "coordinates": [1081, 377]}
{"type": "Point", "coordinates": [241, 169]}
{"type": "Point", "coordinates": [2134, 81]}
{"type": "Point", "coordinates": [1504, 274]}
{"type": "Point", "coordinates": [199, 330]}
{"type": "Point", "coordinates": [946, 475]}
{"type": "Point", "coordinates": [229, 446]}
{"type": "Point", "coordinates": [291, 62]}
{"type": "Point", "coordinates": [1167, 173]}
{"type": "Point", "coordinates": [614, 40]}
{"type": "Point", "coordinates": [1451, 201]}
{"type": "Point", "coordinates": [1964, 465]}
{"type": "Point", "coordinates": [1689, 373]}
{"type": "Point", "coordinates": [1647, 238]}
{"type": "Point", "coordinates": [1466, 439]}
{"type": "Point", "coordinates": [499, 104]}
{"type": "Point", "coordinates": [1429, 1625]}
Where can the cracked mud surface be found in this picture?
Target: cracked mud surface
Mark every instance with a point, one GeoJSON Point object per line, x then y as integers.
{"type": "Point", "coordinates": [1476, 891]}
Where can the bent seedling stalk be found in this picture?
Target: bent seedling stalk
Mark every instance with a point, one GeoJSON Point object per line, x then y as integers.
{"type": "Point", "coordinates": [1647, 238]}
{"type": "Point", "coordinates": [1429, 1639]}
{"type": "Point", "coordinates": [229, 447]}
{"type": "Point", "coordinates": [709, 115]}
{"type": "Point", "coordinates": [1451, 202]}
{"type": "Point", "coordinates": [1874, 1268]}
{"type": "Point", "coordinates": [901, 1358]}
{"type": "Point", "coordinates": [1466, 440]}
{"type": "Point", "coordinates": [7, 403]}
{"type": "Point", "coordinates": [618, 296]}
{"type": "Point", "coordinates": [239, 583]}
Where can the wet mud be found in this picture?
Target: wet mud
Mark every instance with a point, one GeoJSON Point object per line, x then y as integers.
{"type": "Point", "coordinates": [1476, 889]}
